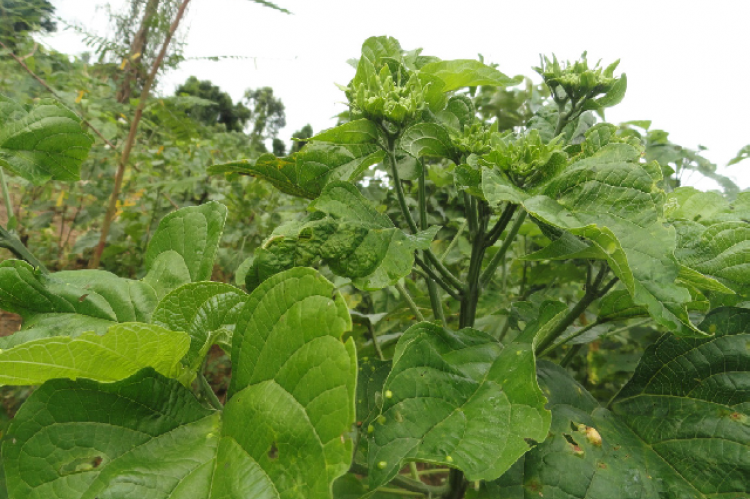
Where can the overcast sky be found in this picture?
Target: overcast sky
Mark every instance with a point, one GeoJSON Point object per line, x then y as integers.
{"type": "Point", "coordinates": [687, 61]}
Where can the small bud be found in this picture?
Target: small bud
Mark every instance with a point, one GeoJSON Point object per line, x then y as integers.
{"type": "Point", "coordinates": [381, 419]}
{"type": "Point", "coordinates": [448, 459]}
{"type": "Point", "coordinates": [388, 394]}
{"type": "Point", "coordinates": [370, 428]}
{"type": "Point", "coordinates": [382, 465]}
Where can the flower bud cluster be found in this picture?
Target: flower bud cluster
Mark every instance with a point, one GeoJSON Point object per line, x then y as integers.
{"type": "Point", "coordinates": [577, 80]}
{"type": "Point", "coordinates": [382, 98]}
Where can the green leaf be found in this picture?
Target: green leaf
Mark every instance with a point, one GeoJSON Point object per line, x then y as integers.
{"type": "Point", "coordinates": [193, 233]}
{"type": "Point", "coordinates": [43, 143]}
{"type": "Point", "coordinates": [428, 139]}
{"type": "Point", "coordinates": [70, 302]}
{"type": "Point", "coordinates": [121, 352]}
{"type": "Point", "coordinates": [146, 436]}
{"type": "Point", "coordinates": [206, 311]}
{"type": "Point", "coordinates": [461, 73]}
{"type": "Point", "coordinates": [612, 201]}
{"type": "Point", "coordinates": [362, 131]}
{"type": "Point", "coordinates": [684, 403]}
{"type": "Point", "coordinates": [305, 173]}
{"type": "Point", "coordinates": [456, 399]}
{"type": "Point", "coordinates": [618, 305]}
{"type": "Point", "coordinates": [293, 381]}
{"type": "Point", "coordinates": [720, 251]}
{"type": "Point", "coordinates": [284, 433]}
{"type": "Point", "coordinates": [370, 380]}
{"type": "Point", "coordinates": [677, 429]}
{"type": "Point", "coordinates": [348, 234]}
{"type": "Point", "coordinates": [271, 5]}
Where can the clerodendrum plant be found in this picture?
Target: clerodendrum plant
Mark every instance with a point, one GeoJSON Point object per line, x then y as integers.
{"type": "Point", "coordinates": [115, 415]}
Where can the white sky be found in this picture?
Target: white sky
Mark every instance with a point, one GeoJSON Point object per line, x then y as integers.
{"type": "Point", "coordinates": [687, 61]}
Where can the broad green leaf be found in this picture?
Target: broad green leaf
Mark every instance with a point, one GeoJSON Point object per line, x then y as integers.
{"type": "Point", "coordinates": [351, 487]}
{"type": "Point", "coordinates": [284, 433]}
{"type": "Point", "coordinates": [305, 173]}
{"type": "Point", "coordinates": [428, 139]}
{"type": "Point", "coordinates": [686, 402]}
{"type": "Point", "coordinates": [720, 251]}
{"type": "Point", "coordinates": [44, 143]}
{"type": "Point", "coordinates": [206, 311]}
{"type": "Point", "coordinates": [94, 293]}
{"type": "Point", "coordinates": [293, 381]}
{"type": "Point", "coordinates": [694, 278]}
{"type": "Point", "coordinates": [119, 353]}
{"type": "Point", "coordinates": [612, 201]}
{"type": "Point", "coordinates": [348, 234]}
{"type": "Point", "coordinates": [618, 305]}
{"type": "Point", "coordinates": [456, 399]}
{"type": "Point", "coordinates": [461, 73]}
{"type": "Point", "coordinates": [193, 233]}
{"type": "Point", "coordinates": [377, 48]}
{"type": "Point", "coordinates": [69, 303]}
{"type": "Point", "coordinates": [146, 436]}
{"type": "Point", "coordinates": [678, 429]}
{"type": "Point", "coordinates": [362, 131]}
{"type": "Point", "coordinates": [688, 203]}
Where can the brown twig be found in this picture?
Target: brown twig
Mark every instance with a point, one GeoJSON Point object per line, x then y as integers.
{"type": "Point", "coordinates": [130, 142]}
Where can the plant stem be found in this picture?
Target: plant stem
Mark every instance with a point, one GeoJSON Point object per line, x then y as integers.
{"type": "Point", "coordinates": [430, 272]}
{"type": "Point", "coordinates": [375, 343]}
{"type": "Point", "coordinates": [402, 289]}
{"type": "Point", "coordinates": [130, 142]}
{"type": "Point", "coordinates": [489, 272]}
{"type": "Point", "coordinates": [571, 355]}
{"type": "Point", "coordinates": [470, 296]}
{"type": "Point", "coordinates": [406, 483]}
{"type": "Point", "coordinates": [454, 241]}
{"type": "Point", "coordinates": [208, 392]}
{"type": "Point", "coordinates": [6, 194]}
{"type": "Point", "coordinates": [497, 230]}
{"type": "Point", "coordinates": [391, 154]}
{"type": "Point", "coordinates": [591, 294]}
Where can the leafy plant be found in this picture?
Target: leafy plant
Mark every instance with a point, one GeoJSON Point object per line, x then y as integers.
{"type": "Point", "coordinates": [452, 255]}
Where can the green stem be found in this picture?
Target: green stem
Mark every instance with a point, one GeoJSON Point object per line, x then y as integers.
{"type": "Point", "coordinates": [489, 272]}
{"type": "Point", "coordinates": [6, 194]}
{"type": "Point", "coordinates": [434, 471]}
{"type": "Point", "coordinates": [402, 289]}
{"type": "Point", "coordinates": [430, 272]}
{"type": "Point", "coordinates": [497, 230]}
{"type": "Point", "coordinates": [406, 483]}
{"type": "Point", "coordinates": [436, 301]}
{"type": "Point", "coordinates": [571, 355]}
{"type": "Point", "coordinates": [391, 154]}
{"type": "Point", "coordinates": [375, 343]}
{"type": "Point", "coordinates": [208, 392]}
{"type": "Point", "coordinates": [447, 274]}
{"type": "Point", "coordinates": [414, 471]}
{"type": "Point", "coordinates": [454, 241]}
{"type": "Point", "coordinates": [591, 294]}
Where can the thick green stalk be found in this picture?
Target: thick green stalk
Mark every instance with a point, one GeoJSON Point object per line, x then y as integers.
{"type": "Point", "coordinates": [489, 272]}
{"type": "Point", "coordinates": [470, 297]}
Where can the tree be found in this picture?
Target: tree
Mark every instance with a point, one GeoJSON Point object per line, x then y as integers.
{"type": "Point", "coordinates": [222, 111]}
{"type": "Point", "coordinates": [267, 115]}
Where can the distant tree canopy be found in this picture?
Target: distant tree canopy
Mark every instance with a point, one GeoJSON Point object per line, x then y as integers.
{"type": "Point", "coordinates": [305, 132]}
{"type": "Point", "coordinates": [232, 116]}
{"type": "Point", "coordinates": [267, 113]}
{"type": "Point", "coordinates": [18, 17]}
